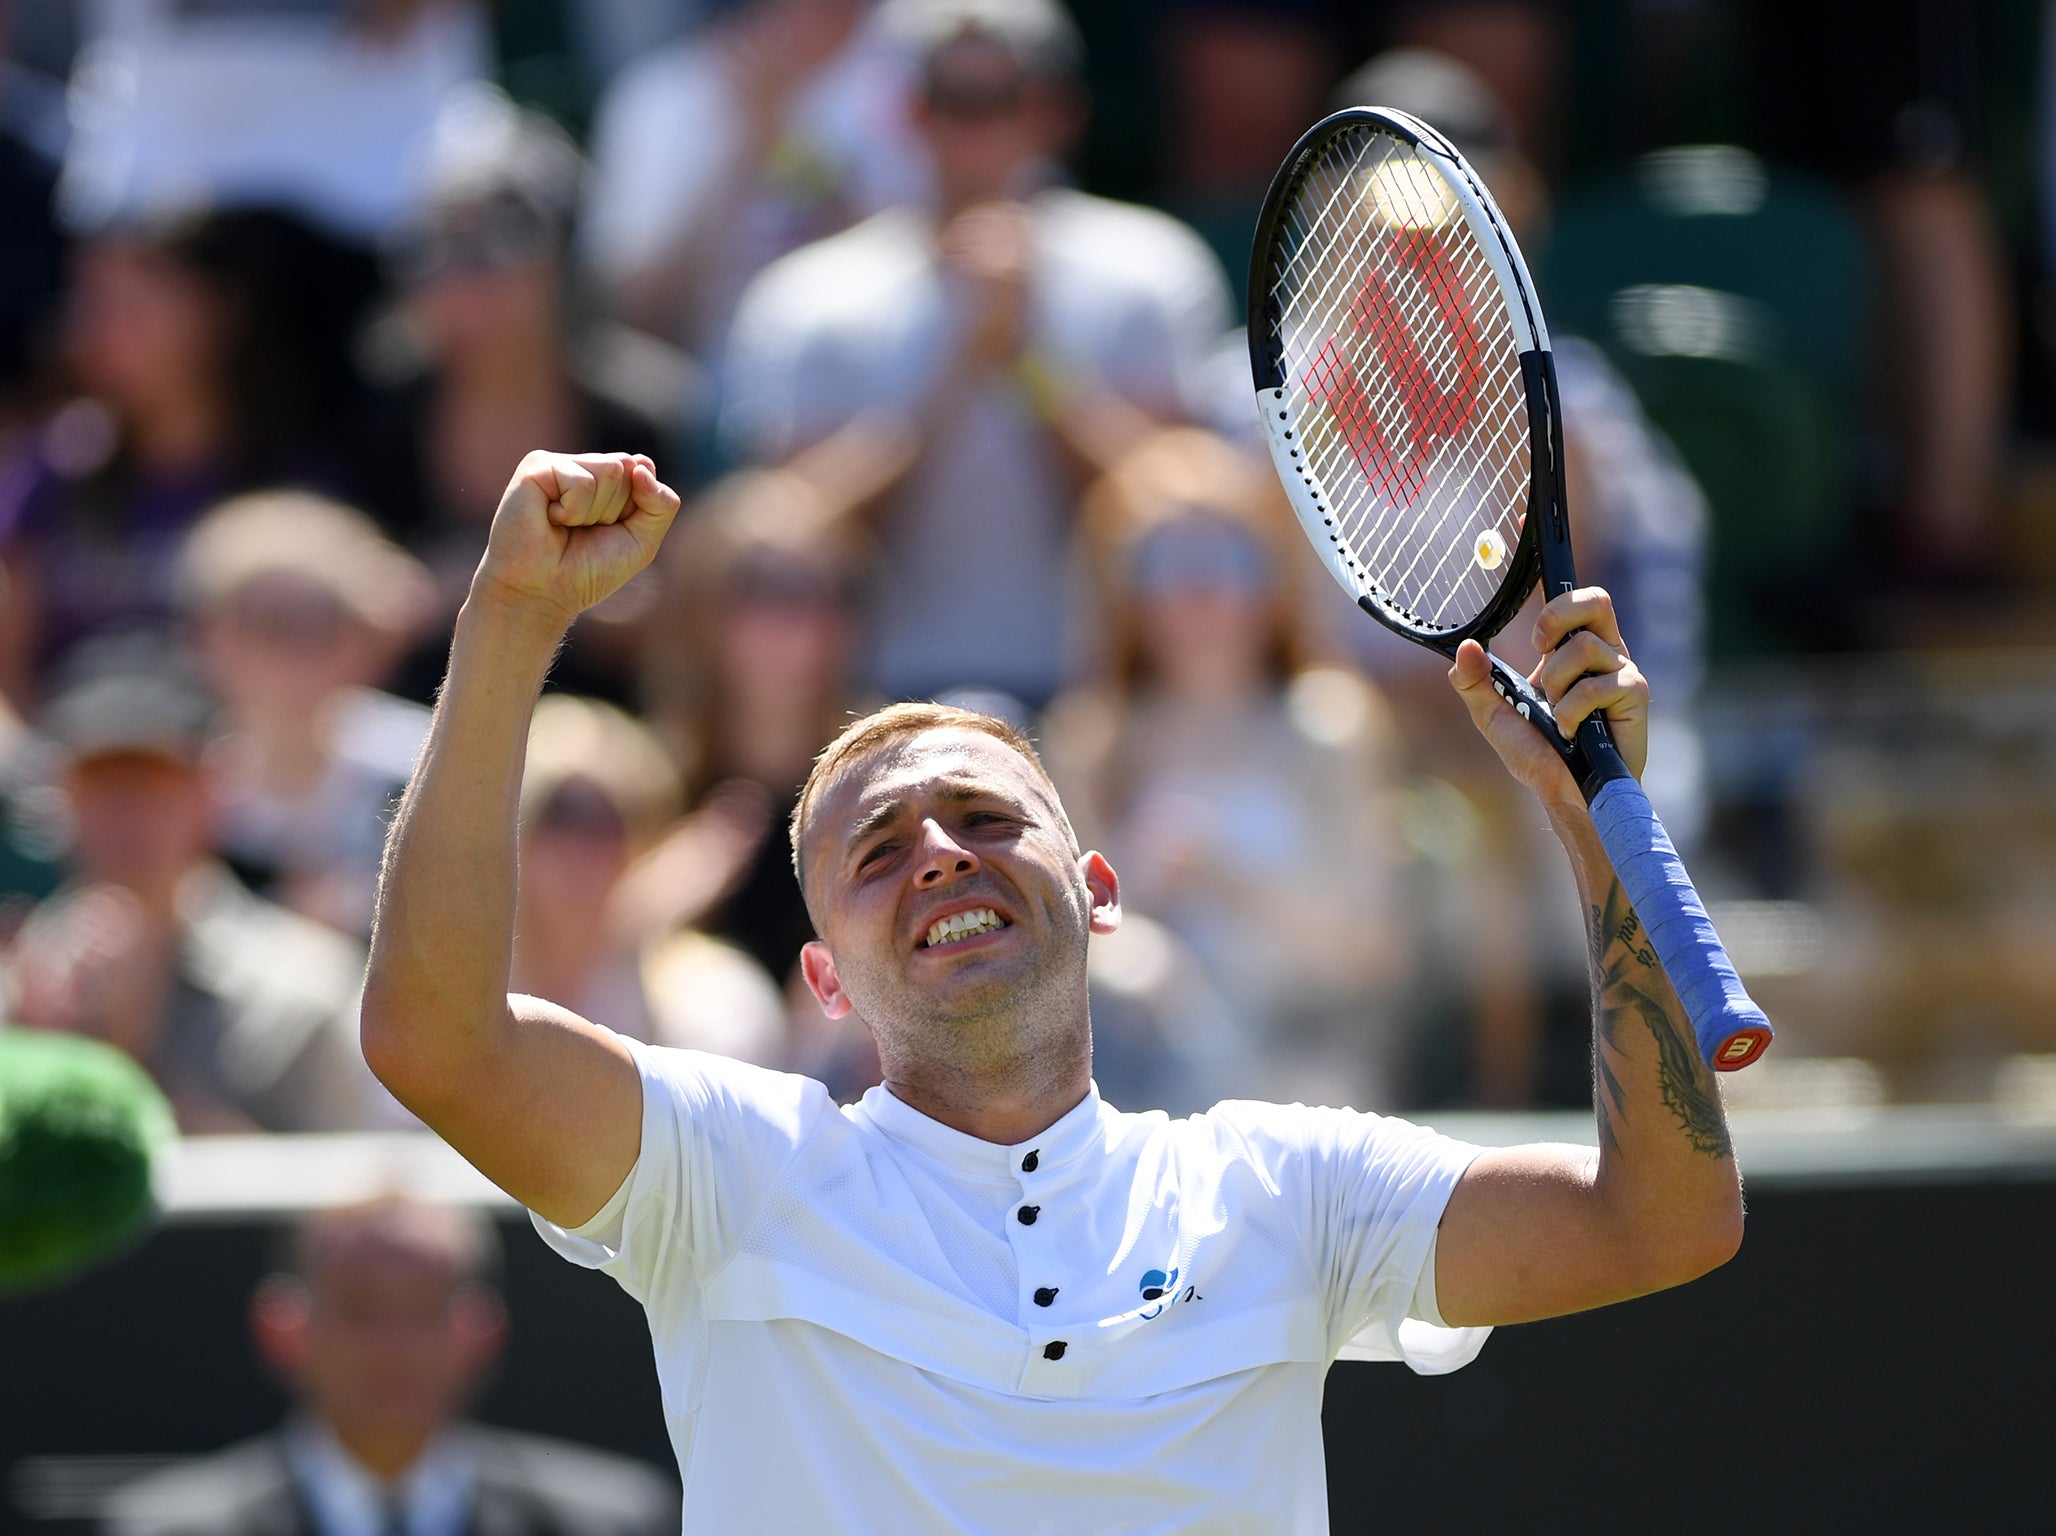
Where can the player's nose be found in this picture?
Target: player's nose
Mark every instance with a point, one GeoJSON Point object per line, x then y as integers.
{"type": "Point", "coordinates": [942, 856]}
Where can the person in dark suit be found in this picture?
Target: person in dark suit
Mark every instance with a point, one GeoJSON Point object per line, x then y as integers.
{"type": "Point", "coordinates": [382, 1329]}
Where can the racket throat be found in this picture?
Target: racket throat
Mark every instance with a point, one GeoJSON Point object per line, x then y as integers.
{"type": "Point", "coordinates": [1591, 756]}
{"type": "Point", "coordinates": [1547, 505]}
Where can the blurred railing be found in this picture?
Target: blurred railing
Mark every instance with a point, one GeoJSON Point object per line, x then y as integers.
{"type": "Point", "coordinates": [1818, 1123]}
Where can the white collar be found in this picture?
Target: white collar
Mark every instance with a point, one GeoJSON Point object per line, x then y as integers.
{"type": "Point", "coordinates": [1077, 1132]}
{"type": "Point", "coordinates": [346, 1498]}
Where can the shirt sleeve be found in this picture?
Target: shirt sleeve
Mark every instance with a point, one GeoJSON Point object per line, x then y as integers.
{"type": "Point", "coordinates": [1369, 1192]}
{"type": "Point", "coordinates": [716, 1134]}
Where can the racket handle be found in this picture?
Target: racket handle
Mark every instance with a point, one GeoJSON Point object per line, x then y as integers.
{"type": "Point", "coordinates": [1732, 1030]}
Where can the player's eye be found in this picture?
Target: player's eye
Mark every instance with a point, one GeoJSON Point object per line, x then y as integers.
{"type": "Point", "coordinates": [1000, 820]}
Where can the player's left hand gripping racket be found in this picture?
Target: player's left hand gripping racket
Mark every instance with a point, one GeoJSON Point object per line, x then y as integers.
{"type": "Point", "coordinates": [1406, 387]}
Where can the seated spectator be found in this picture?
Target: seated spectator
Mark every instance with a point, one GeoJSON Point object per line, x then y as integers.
{"type": "Point", "coordinates": [243, 1012]}
{"type": "Point", "coordinates": [747, 678]}
{"type": "Point", "coordinates": [382, 1329]}
{"type": "Point", "coordinates": [596, 792]}
{"type": "Point", "coordinates": [298, 608]}
{"type": "Point", "coordinates": [1244, 792]}
{"type": "Point", "coordinates": [207, 368]}
{"type": "Point", "coordinates": [490, 358]}
{"type": "Point", "coordinates": [778, 123]}
{"type": "Point", "coordinates": [958, 369]}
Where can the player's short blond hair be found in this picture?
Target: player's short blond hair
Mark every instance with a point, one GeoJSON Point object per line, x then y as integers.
{"type": "Point", "coordinates": [870, 732]}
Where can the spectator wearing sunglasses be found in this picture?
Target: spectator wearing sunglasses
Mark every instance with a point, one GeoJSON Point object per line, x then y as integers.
{"type": "Point", "coordinates": [596, 794]}
{"type": "Point", "coordinates": [747, 677]}
{"type": "Point", "coordinates": [211, 355]}
{"type": "Point", "coordinates": [968, 364]}
{"type": "Point", "coordinates": [1247, 791]}
{"type": "Point", "coordinates": [490, 353]}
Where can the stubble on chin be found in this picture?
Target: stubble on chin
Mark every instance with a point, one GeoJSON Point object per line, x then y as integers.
{"type": "Point", "coordinates": [1008, 1026]}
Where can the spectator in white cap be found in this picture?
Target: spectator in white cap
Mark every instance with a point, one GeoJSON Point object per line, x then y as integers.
{"type": "Point", "coordinates": [242, 1011]}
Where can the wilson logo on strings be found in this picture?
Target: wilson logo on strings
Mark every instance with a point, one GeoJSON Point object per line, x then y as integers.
{"type": "Point", "coordinates": [1378, 324]}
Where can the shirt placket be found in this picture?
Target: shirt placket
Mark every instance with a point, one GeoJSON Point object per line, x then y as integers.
{"type": "Point", "coordinates": [1041, 1273]}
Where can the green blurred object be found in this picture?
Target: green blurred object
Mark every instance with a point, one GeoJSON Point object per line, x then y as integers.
{"type": "Point", "coordinates": [80, 1126]}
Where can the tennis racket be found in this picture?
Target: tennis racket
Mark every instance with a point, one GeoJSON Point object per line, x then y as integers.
{"type": "Point", "coordinates": [1407, 391]}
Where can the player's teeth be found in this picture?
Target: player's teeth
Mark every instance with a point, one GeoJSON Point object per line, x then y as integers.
{"type": "Point", "coordinates": [961, 924]}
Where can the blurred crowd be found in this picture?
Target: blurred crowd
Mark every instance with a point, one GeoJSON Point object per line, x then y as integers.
{"type": "Point", "coordinates": [931, 308]}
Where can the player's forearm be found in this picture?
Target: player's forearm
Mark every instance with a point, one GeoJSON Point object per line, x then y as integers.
{"type": "Point", "coordinates": [436, 991]}
{"type": "Point", "coordinates": [1667, 1172]}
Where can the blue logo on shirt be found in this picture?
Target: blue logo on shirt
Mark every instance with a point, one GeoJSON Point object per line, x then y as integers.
{"type": "Point", "coordinates": [1161, 1287]}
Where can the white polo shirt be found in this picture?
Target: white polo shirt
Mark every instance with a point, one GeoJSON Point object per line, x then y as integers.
{"type": "Point", "coordinates": [867, 1321]}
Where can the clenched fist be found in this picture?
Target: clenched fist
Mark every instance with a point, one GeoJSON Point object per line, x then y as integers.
{"type": "Point", "coordinates": [572, 528]}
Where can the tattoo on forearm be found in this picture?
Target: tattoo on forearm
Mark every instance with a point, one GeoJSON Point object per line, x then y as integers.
{"type": "Point", "coordinates": [1620, 958]}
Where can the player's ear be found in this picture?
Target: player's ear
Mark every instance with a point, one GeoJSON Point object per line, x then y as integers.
{"type": "Point", "coordinates": [818, 967]}
{"type": "Point", "coordinates": [1105, 888]}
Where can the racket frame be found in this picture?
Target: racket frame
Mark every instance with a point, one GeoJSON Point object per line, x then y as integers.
{"type": "Point", "coordinates": [1543, 551]}
{"type": "Point", "coordinates": [1280, 413]}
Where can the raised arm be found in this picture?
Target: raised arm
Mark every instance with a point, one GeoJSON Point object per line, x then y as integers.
{"type": "Point", "coordinates": [1542, 1230]}
{"type": "Point", "coordinates": [545, 1104]}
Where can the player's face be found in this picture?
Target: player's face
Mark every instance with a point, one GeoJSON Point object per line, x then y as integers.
{"type": "Point", "coordinates": [950, 889]}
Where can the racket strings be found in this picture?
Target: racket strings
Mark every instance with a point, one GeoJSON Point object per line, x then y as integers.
{"type": "Point", "coordinates": [1409, 396]}
{"type": "Point", "coordinates": [1408, 378]}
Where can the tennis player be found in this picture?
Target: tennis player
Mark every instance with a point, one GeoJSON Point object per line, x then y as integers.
{"type": "Point", "coordinates": [981, 1299]}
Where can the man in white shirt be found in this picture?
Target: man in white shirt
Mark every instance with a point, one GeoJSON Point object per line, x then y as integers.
{"type": "Point", "coordinates": [976, 354]}
{"type": "Point", "coordinates": [981, 1299]}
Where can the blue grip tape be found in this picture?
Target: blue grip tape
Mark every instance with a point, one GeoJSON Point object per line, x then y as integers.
{"type": "Point", "coordinates": [1732, 1030]}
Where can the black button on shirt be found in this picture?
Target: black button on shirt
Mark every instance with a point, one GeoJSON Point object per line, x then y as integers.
{"type": "Point", "coordinates": [1029, 1163]}
{"type": "Point", "coordinates": [1045, 1296]}
{"type": "Point", "coordinates": [1027, 1214]}
{"type": "Point", "coordinates": [1054, 1350]}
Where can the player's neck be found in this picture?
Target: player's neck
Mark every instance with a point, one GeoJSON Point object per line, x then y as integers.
{"type": "Point", "coordinates": [1006, 1106]}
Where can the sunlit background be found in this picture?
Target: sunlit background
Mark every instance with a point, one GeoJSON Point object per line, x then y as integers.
{"type": "Point", "coordinates": [931, 309]}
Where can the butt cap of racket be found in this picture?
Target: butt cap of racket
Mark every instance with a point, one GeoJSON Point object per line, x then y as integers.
{"type": "Point", "coordinates": [1741, 1048]}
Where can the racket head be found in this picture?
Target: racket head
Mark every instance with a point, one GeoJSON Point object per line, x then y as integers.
{"type": "Point", "coordinates": [1393, 339]}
